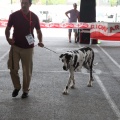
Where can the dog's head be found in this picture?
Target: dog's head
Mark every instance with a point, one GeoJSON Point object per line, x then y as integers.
{"type": "Point", "coordinates": [66, 59]}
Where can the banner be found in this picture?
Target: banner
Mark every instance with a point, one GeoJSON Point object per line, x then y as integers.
{"type": "Point", "coordinates": [3, 23]}
{"type": "Point", "coordinates": [105, 31]}
{"type": "Point", "coordinates": [98, 30]}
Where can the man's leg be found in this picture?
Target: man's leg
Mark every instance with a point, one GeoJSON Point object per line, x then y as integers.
{"type": "Point", "coordinates": [16, 82]}
{"type": "Point", "coordinates": [15, 79]}
{"type": "Point", "coordinates": [75, 35]}
{"type": "Point", "coordinates": [27, 65]}
{"type": "Point", "coordinates": [13, 65]}
{"type": "Point", "coordinates": [69, 34]}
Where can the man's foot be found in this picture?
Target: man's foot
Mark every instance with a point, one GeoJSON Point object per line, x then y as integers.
{"type": "Point", "coordinates": [15, 92]}
{"type": "Point", "coordinates": [24, 95]}
{"type": "Point", "coordinates": [69, 41]}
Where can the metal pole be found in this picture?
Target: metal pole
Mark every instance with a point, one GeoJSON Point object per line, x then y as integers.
{"type": "Point", "coordinates": [11, 6]}
{"type": "Point", "coordinates": [46, 11]}
{"type": "Point", "coordinates": [46, 2]}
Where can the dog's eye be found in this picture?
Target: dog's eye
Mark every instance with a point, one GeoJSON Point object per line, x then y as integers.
{"type": "Point", "coordinates": [62, 60]}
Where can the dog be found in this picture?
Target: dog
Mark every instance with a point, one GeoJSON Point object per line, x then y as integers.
{"type": "Point", "coordinates": [74, 61]}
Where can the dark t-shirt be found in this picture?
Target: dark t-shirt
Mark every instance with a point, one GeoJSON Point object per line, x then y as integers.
{"type": "Point", "coordinates": [22, 27]}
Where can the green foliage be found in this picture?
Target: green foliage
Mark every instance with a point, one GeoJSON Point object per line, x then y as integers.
{"type": "Point", "coordinates": [113, 2]}
{"type": "Point", "coordinates": [49, 2]}
{"type": "Point", "coordinates": [118, 1]}
{"type": "Point", "coordinates": [13, 1]}
{"type": "Point", "coordinates": [35, 1]}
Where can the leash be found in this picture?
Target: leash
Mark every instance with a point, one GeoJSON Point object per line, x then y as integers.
{"type": "Point", "coordinates": [50, 50]}
{"type": "Point", "coordinates": [47, 49]}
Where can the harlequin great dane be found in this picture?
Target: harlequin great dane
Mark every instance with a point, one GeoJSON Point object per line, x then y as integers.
{"type": "Point", "coordinates": [74, 61]}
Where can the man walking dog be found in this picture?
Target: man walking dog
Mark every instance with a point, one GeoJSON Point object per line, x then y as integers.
{"type": "Point", "coordinates": [23, 22]}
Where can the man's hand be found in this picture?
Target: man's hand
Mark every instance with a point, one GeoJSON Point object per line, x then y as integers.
{"type": "Point", "coordinates": [40, 44]}
{"type": "Point", "coordinates": [11, 41]}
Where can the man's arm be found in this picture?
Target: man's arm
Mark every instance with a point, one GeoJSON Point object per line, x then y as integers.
{"type": "Point", "coordinates": [7, 34]}
{"type": "Point", "coordinates": [78, 18]}
{"type": "Point", "coordinates": [39, 36]}
{"type": "Point", "coordinates": [66, 13]}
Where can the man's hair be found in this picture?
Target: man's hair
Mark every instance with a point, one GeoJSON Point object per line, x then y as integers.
{"type": "Point", "coordinates": [74, 4]}
{"type": "Point", "coordinates": [30, 1]}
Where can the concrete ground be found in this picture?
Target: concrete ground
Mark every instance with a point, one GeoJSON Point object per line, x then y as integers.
{"type": "Point", "coordinates": [46, 101]}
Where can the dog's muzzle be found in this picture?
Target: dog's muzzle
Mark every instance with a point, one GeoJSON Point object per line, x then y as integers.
{"type": "Point", "coordinates": [64, 68]}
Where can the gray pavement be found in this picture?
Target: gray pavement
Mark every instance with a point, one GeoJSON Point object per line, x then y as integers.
{"type": "Point", "coordinates": [46, 101]}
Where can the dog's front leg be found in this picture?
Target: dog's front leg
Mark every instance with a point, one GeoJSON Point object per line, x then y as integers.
{"type": "Point", "coordinates": [73, 80]}
{"type": "Point", "coordinates": [65, 92]}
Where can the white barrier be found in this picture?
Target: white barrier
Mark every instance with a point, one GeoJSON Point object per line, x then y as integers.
{"type": "Point", "coordinates": [98, 30]}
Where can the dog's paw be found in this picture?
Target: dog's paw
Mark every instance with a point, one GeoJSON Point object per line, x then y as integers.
{"type": "Point", "coordinates": [72, 87]}
{"type": "Point", "coordinates": [65, 93]}
{"type": "Point", "coordinates": [89, 85]}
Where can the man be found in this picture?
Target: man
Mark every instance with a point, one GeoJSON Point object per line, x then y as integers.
{"type": "Point", "coordinates": [73, 17]}
{"type": "Point", "coordinates": [23, 22]}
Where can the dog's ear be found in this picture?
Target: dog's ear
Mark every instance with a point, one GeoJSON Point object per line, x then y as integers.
{"type": "Point", "coordinates": [61, 55]}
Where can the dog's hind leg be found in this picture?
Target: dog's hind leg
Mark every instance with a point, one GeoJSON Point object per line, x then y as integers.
{"type": "Point", "coordinates": [91, 77]}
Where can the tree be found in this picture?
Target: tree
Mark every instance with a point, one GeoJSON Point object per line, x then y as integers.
{"type": "Point", "coordinates": [35, 1]}
{"type": "Point", "coordinates": [113, 2]}
{"type": "Point", "coordinates": [118, 1]}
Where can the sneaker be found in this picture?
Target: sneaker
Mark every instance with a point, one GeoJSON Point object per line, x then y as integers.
{"type": "Point", "coordinates": [15, 92]}
{"type": "Point", "coordinates": [24, 95]}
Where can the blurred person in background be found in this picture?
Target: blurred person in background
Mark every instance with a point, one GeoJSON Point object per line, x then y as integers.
{"type": "Point", "coordinates": [73, 16]}
{"type": "Point", "coordinates": [23, 22]}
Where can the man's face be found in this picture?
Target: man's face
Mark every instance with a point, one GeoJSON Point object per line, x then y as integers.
{"type": "Point", "coordinates": [75, 6]}
{"type": "Point", "coordinates": [25, 4]}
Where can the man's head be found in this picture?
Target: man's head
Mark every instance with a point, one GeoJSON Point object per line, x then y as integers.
{"type": "Point", "coordinates": [30, 1]}
{"type": "Point", "coordinates": [25, 4]}
{"type": "Point", "coordinates": [75, 5]}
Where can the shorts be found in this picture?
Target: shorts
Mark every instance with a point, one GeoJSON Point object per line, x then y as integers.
{"type": "Point", "coordinates": [70, 30]}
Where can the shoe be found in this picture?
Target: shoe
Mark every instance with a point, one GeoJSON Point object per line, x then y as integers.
{"type": "Point", "coordinates": [24, 95]}
{"type": "Point", "coordinates": [15, 92]}
{"type": "Point", "coordinates": [70, 41]}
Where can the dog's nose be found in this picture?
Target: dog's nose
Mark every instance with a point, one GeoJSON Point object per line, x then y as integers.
{"type": "Point", "coordinates": [64, 67]}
